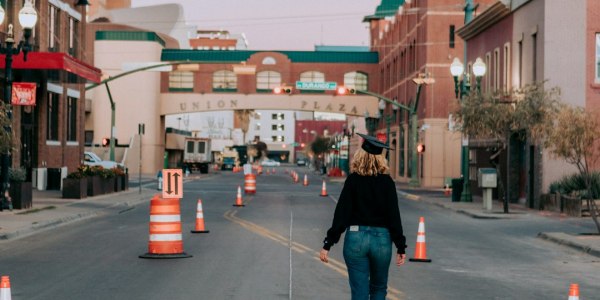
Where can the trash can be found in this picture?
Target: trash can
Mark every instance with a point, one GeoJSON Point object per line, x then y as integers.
{"type": "Point", "coordinates": [204, 168]}
{"type": "Point", "coordinates": [457, 187]}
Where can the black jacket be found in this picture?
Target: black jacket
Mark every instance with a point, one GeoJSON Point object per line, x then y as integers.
{"type": "Point", "coordinates": [367, 201]}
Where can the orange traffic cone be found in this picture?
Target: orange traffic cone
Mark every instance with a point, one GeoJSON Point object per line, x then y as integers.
{"type": "Point", "coordinates": [238, 199]}
{"type": "Point", "coordinates": [447, 190]}
{"type": "Point", "coordinates": [295, 177]}
{"type": "Point", "coordinates": [199, 219]}
{"type": "Point", "coordinates": [421, 249]}
{"type": "Point", "coordinates": [5, 288]}
{"type": "Point", "coordinates": [574, 291]}
{"type": "Point", "coordinates": [324, 190]}
{"type": "Point", "coordinates": [305, 183]}
{"type": "Point", "coordinates": [268, 171]}
{"type": "Point", "coordinates": [272, 170]}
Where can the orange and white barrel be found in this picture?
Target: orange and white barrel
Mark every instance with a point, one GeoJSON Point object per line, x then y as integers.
{"type": "Point", "coordinates": [250, 184]}
{"type": "Point", "coordinates": [5, 288]}
{"type": "Point", "coordinates": [165, 239]}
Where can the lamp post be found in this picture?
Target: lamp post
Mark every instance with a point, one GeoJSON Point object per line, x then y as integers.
{"type": "Point", "coordinates": [27, 19]}
{"type": "Point", "coordinates": [388, 121]}
{"type": "Point", "coordinates": [461, 88]}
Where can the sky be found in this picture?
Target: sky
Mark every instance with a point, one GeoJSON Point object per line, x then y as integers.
{"type": "Point", "coordinates": [282, 24]}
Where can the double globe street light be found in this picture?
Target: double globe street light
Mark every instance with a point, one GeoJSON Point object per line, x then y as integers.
{"type": "Point", "coordinates": [462, 87]}
{"type": "Point", "coordinates": [27, 19]}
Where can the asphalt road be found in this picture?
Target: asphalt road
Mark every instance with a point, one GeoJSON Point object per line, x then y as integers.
{"type": "Point", "coordinates": [269, 250]}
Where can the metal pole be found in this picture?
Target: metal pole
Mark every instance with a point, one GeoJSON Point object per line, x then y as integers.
{"type": "Point", "coordinates": [414, 178]}
{"type": "Point", "coordinates": [112, 123]}
{"type": "Point", "coordinates": [140, 166]}
{"type": "Point", "coordinates": [466, 192]}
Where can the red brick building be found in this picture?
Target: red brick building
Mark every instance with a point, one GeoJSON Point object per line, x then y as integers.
{"type": "Point", "coordinates": [50, 134]}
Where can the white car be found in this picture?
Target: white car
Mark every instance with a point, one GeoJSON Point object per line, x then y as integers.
{"type": "Point", "coordinates": [92, 159]}
{"type": "Point", "coordinates": [270, 163]}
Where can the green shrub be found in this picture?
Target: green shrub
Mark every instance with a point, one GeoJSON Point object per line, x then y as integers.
{"type": "Point", "coordinates": [575, 184]}
{"type": "Point", "coordinates": [17, 174]}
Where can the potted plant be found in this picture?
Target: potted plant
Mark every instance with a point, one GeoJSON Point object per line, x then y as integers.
{"type": "Point", "coordinates": [75, 185]}
{"type": "Point", "coordinates": [108, 180]}
{"type": "Point", "coordinates": [94, 182]}
{"type": "Point", "coordinates": [20, 188]}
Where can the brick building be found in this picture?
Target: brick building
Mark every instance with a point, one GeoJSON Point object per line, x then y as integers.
{"type": "Point", "coordinates": [50, 134]}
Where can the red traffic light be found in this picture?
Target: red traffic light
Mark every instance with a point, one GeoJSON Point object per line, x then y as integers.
{"type": "Point", "coordinates": [420, 148]}
{"type": "Point", "coordinates": [343, 90]}
{"type": "Point", "coordinates": [282, 89]}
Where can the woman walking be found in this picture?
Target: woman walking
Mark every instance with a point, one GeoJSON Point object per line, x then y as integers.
{"type": "Point", "coordinates": [368, 212]}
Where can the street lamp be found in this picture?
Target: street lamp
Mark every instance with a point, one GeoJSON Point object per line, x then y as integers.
{"type": "Point", "coordinates": [388, 121]}
{"type": "Point", "coordinates": [461, 88]}
{"type": "Point", "coordinates": [27, 19]}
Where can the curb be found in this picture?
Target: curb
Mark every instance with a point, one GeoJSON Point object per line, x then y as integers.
{"type": "Point", "coordinates": [549, 236]}
{"type": "Point", "coordinates": [408, 196]}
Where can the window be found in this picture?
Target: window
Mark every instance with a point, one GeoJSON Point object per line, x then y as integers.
{"type": "Point", "coordinates": [277, 127]}
{"type": "Point", "coordinates": [191, 147]}
{"type": "Point", "coordinates": [534, 57]}
{"type": "Point", "coordinates": [52, 117]}
{"type": "Point", "coordinates": [268, 61]}
{"type": "Point", "coordinates": [487, 79]}
{"type": "Point", "coordinates": [224, 80]}
{"type": "Point", "coordinates": [496, 69]}
{"type": "Point", "coordinates": [452, 36]}
{"type": "Point", "coordinates": [181, 81]}
{"type": "Point", "coordinates": [279, 116]}
{"type": "Point", "coordinates": [257, 127]}
{"type": "Point", "coordinates": [73, 36]}
{"type": "Point", "coordinates": [267, 80]}
{"type": "Point", "coordinates": [312, 76]}
{"type": "Point", "coordinates": [507, 69]}
{"type": "Point", "coordinates": [53, 28]}
{"type": "Point", "coordinates": [597, 57]}
{"type": "Point", "coordinates": [278, 138]}
{"type": "Point", "coordinates": [357, 80]}
{"type": "Point", "coordinates": [520, 64]}
{"type": "Point", "coordinates": [71, 119]}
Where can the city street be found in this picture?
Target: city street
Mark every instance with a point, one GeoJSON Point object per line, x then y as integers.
{"type": "Point", "coordinates": [269, 250]}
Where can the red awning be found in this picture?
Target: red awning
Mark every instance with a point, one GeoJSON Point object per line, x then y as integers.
{"type": "Point", "coordinates": [54, 61]}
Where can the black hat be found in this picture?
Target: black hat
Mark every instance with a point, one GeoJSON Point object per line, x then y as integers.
{"type": "Point", "coordinates": [372, 145]}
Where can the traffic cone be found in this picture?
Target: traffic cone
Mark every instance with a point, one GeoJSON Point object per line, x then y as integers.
{"type": "Point", "coordinates": [421, 249]}
{"type": "Point", "coordinates": [5, 288]}
{"type": "Point", "coordinates": [238, 199]}
{"type": "Point", "coordinates": [324, 190]}
{"type": "Point", "coordinates": [268, 171]}
{"type": "Point", "coordinates": [305, 183]}
{"type": "Point", "coordinates": [272, 170]}
{"type": "Point", "coordinates": [295, 177]}
{"type": "Point", "coordinates": [574, 291]}
{"type": "Point", "coordinates": [447, 190]}
{"type": "Point", "coordinates": [199, 219]}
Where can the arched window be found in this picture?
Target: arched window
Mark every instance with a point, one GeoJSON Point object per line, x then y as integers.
{"type": "Point", "coordinates": [181, 81]}
{"type": "Point", "coordinates": [224, 80]}
{"type": "Point", "coordinates": [312, 76]}
{"type": "Point", "coordinates": [267, 80]}
{"type": "Point", "coordinates": [357, 80]}
{"type": "Point", "coordinates": [268, 61]}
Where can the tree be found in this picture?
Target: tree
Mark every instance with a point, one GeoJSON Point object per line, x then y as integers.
{"type": "Point", "coordinates": [243, 115]}
{"type": "Point", "coordinates": [575, 137]}
{"type": "Point", "coordinates": [320, 146]}
{"type": "Point", "coordinates": [6, 138]}
{"type": "Point", "coordinates": [523, 114]}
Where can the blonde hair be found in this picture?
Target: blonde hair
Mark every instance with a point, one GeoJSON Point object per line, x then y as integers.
{"type": "Point", "coordinates": [366, 164]}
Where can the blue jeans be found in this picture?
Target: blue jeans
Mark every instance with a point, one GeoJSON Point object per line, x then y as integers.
{"type": "Point", "coordinates": [368, 252]}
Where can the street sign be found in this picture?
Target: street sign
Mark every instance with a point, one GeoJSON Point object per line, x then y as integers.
{"type": "Point", "coordinates": [172, 183]}
{"type": "Point", "coordinates": [318, 86]}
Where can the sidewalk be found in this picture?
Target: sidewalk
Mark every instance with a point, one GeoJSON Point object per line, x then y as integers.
{"type": "Point", "coordinates": [583, 242]}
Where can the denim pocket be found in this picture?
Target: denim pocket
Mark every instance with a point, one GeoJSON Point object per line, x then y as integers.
{"type": "Point", "coordinates": [353, 241]}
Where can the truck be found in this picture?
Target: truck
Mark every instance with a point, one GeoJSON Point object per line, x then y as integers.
{"type": "Point", "coordinates": [197, 155]}
{"type": "Point", "coordinates": [92, 159]}
{"type": "Point", "coordinates": [230, 158]}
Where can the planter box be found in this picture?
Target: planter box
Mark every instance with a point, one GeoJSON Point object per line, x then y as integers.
{"type": "Point", "coordinates": [75, 188]}
{"type": "Point", "coordinates": [125, 179]}
{"type": "Point", "coordinates": [94, 186]}
{"type": "Point", "coordinates": [108, 185]}
{"type": "Point", "coordinates": [118, 183]}
{"type": "Point", "coordinates": [20, 192]}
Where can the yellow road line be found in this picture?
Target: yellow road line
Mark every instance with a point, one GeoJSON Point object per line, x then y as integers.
{"type": "Point", "coordinates": [393, 293]}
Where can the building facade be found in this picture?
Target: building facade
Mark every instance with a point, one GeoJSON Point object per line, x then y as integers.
{"type": "Point", "coordinates": [50, 133]}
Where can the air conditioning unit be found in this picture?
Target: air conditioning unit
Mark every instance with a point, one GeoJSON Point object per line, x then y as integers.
{"type": "Point", "coordinates": [39, 178]}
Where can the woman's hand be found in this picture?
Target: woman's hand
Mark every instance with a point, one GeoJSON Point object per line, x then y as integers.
{"type": "Point", "coordinates": [323, 255]}
{"type": "Point", "coordinates": [400, 259]}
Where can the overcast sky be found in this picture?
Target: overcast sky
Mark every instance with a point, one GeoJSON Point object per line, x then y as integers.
{"type": "Point", "coordinates": [282, 24]}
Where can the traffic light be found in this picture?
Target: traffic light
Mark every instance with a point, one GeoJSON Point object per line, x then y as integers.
{"type": "Point", "coordinates": [105, 142]}
{"type": "Point", "coordinates": [420, 148]}
{"type": "Point", "coordinates": [282, 90]}
{"type": "Point", "coordinates": [344, 90]}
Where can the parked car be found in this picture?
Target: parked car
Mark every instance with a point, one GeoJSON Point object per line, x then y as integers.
{"type": "Point", "coordinates": [92, 159]}
{"type": "Point", "coordinates": [270, 163]}
{"type": "Point", "coordinates": [301, 162]}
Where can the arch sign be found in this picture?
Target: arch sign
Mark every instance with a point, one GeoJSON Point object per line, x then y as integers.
{"type": "Point", "coordinates": [353, 105]}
